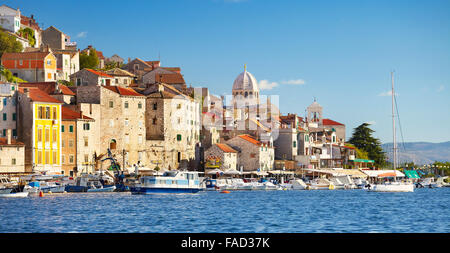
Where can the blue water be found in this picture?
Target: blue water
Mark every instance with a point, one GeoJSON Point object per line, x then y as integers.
{"type": "Point", "coordinates": [323, 211]}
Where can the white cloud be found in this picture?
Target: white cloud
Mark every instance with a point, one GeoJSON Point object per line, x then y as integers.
{"type": "Point", "coordinates": [441, 88]}
{"type": "Point", "coordinates": [266, 85]}
{"type": "Point", "coordinates": [82, 35]}
{"type": "Point", "coordinates": [387, 93]}
{"type": "Point", "coordinates": [294, 82]}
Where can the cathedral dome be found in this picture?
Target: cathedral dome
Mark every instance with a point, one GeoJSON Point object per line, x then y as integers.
{"type": "Point", "coordinates": [245, 82]}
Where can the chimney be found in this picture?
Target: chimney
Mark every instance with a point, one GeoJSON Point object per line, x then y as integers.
{"type": "Point", "coordinates": [32, 16]}
{"type": "Point", "coordinates": [26, 91]}
{"type": "Point", "coordinates": [8, 133]}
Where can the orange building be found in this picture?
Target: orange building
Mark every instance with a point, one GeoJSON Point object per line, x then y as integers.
{"type": "Point", "coordinates": [31, 66]}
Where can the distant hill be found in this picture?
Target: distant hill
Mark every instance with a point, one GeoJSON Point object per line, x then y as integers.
{"type": "Point", "coordinates": [420, 152]}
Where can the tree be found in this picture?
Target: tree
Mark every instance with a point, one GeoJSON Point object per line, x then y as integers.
{"type": "Point", "coordinates": [363, 140]}
{"type": "Point", "coordinates": [28, 33]}
{"type": "Point", "coordinates": [90, 60]}
{"type": "Point", "coordinates": [9, 44]}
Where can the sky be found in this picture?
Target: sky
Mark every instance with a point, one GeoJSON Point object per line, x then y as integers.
{"type": "Point", "coordinates": [339, 52]}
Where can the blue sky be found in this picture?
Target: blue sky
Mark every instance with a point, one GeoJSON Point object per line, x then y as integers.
{"type": "Point", "coordinates": [340, 52]}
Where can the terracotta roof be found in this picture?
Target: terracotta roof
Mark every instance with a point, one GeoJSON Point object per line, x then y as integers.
{"type": "Point", "coordinates": [173, 69]}
{"type": "Point", "coordinates": [161, 94]}
{"type": "Point", "coordinates": [100, 54]}
{"type": "Point", "coordinates": [329, 122]}
{"type": "Point", "coordinates": [250, 139]}
{"type": "Point", "coordinates": [170, 78]}
{"type": "Point", "coordinates": [49, 88]}
{"type": "Point", "coordinates": [123, 91]}
{"type": "Point", "coordinates": [4, 141]}
{"type": "Point", "coordinates": [225, 148]}
{"type": "Point", "coordinates": [25, 56]}
{"type": "Point", "coordinates": [31, 22]}
{"type": "Point", "coordinates": [98, 73]}
{"type": "Point", "coordinates": [38, 95]}
{"type": "Point", "coordinates": [67, 114]}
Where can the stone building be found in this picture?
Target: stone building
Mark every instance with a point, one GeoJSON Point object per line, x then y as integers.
{"type": "Point", "coordinates": [116, 59]}
{"type": "Point", "coordinates": [119, 113]}
{"type": "Point", "coordinates": [253, 154]}
{"type": "Point", "coordinates": [12, 154]}
{"type": "Point", "coordinates": [140, 67]}
{"type": "Point", "coordinates": [87, 76]}
{"type": "Point", "coordinates": [121, 77]}
{"type": "Point", "coordinates": [221, 156]}
{"type": "Point", "coordinates": [57, 40]}
{"type": "Point", "coordinates": [30, 22]}
{"type": "Point", "coordinates": [172, 128]}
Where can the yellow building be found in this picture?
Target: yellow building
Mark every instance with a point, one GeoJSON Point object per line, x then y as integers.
{"type": "Point", "coordinates": [39, 121]}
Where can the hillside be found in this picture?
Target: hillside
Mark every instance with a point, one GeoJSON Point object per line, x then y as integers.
{"type": "Point", "coordinates": [420, 152]}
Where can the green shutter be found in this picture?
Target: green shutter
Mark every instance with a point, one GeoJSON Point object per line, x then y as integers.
{"type": "Point", "coordinates": [62, 129]}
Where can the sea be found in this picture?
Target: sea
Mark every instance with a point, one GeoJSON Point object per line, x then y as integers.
{"type": "Point", "coordinates": [317, 211]}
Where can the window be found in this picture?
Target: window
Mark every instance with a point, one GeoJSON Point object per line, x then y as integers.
{"type": "Point", "coordinates": [126, 122]}
{"type": "Point", "coordinates": [116, 80]}
{"type": "Point", "coordinates": [13, 161]}
{"type": "Point", "coordinates": [39, 158]}
{"type": "Point", "coordinates": [47, 135]}
{"type": "Point", "coordinates": [86, 158]}
{"type": "Point", "coordinates": [55, 158]}
{"type": "Point", "coordinates": [140, 105]}
{"type": "Point", "coordinates": [49, 62]}
{"type": "Point", "coordinates": [127, 138]}
{"type": "Point", "coordinates": [178, 137]}
{"type": "Point", "coordinates": [125, 81]}
{"type": "Point", "coordinates": [126, 104]}
{"type": "Point", "coordinates": [4, 116]}
{"type": "Point", "coordinates": [63, 143]}
{"type": "Point", "coordinates": [54, 135]}
{"type": "Point", "coordinates": [71, 159]}
{"type": "Point", "coordinates": [54, 113]}
{"type": "Point", "coordinates": [4, 132]}
{"type": "Point", "coordinates": [63, 159]}
{"type": "Point", "coordinates": [47, 112]}
{"type": "Point", "coordinates": [86, 141]}
{"type": "Point", "coordinates": [49, 75]}
{"type": "Point", "coordinates": [295, 144]}
{"type": "Point", "coordinates": [154, 121]}
{"type": "Point", "coordinates": [86, 126]}
{"type": "Point", "coordinates": [47, 157]}
{"type": "Point", "coordinates": [14, 116]}
{"type": "Point", "coordinates": [78, 81]}
{"type": "Point", "coordinates": [70, 143]}
{"type": "Point", "coordinates": [155, 106]}
{"type": "Point", "coordinates": [140, 139]}
{"type": "Point", "coordinates": [178, 106]}
{"type": "Point", "coordinates": [39, 135]}
{"type": "Point", "coordinates": [14, 133]}
{"type": "Point", "coordinates": [4, 101]}
{"type": "Point", "coordinates": [111, 104]}
{"type": "Point", "coordinates": [62, 129]}
{"type": "Point", "coordinates": [71, 128]}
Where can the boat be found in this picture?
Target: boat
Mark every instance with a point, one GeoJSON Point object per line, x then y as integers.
{"type": "Point", "coordinates": [14, 195]}
{"type": "Point", "coordinates": [102, 189]}
{"type": "Point", "coordinates": [6, 186]}
{"type": "Point", "coordinates": [298, 184]}
{"type": "Point", "coordinates": [37, 186]}
{"type": "Point", "coordinates": [343, 182]}
{"type": "Point", "coordinates": [394, 185]}
{"type": "Point", "coordinates": [320, 184]}
{"type": "Point", "coordinates": [89, 183]}
{"type": "Point", "coordinates": [169, 182]}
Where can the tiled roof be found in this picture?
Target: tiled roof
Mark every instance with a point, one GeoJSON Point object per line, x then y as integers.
{"type": "Point", "coordinates": [98, 73]}
{"type": "Point", "coordinates": [38, 95]}
{"type": "Point", "coordinates": [173, 69]}
{"type": "Point", "coordinates": [67, 114]}
{"type": "Point", "coordinates": [100, 54]}
{"type": "Point", "coordinates": [4, 142]}
{"type": "Point", "coordinates": [25, 56]}
{"type": "Point", "coordinates": [119, 72]}
{"type": "Point", "coordinates": [123, 91]}
{"type": "Point", "coordinates": [225, 148]}
{"type": "Point", "coordinates": [169, 78]}
{"type": "Point", "coordinates": [329, 122]}
{"type": "Point", "coordinates": [250, 139]}
{"type": "Point", "coordinates": [49, 88]}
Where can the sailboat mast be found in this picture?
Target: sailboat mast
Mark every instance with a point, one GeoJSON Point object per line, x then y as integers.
{"type": "Point", "coordinates": [393, 124]}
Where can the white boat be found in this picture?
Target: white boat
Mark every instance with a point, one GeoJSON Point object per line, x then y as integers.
{"type": "Point", "coordinates": [298, 184]}
{"type": "Point", "coordinates": [320, 184]}
{"type": "Point", "coordinates": [15, 195]}
{"type": "Point", "coordinates": [169, 182]}
{"type": "Point", "coordinates": [393, 186]}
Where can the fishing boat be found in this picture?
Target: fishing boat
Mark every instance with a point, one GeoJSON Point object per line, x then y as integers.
{"type": "Point", "coordinates": [394, 185]}
{"type": "Point", "coordinates": [6, 186]}
{"type": "Point", "coordinates": [169, 182]}
{"type": "Point", "coordinates": [298, 184]}
{"type": "Point", "coordinates": [320, 184]}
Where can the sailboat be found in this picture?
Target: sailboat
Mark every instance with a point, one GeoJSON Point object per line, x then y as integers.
{"type": "Point", "coordinates": [394, 186]}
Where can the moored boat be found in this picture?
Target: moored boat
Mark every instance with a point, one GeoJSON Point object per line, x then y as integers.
{"type": "Point", "coordinates": [169, 182]}
{"type": "Point", "coordinates": [14, 195]}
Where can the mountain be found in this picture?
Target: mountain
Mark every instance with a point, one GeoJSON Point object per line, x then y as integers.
{"type": "Point", "coordinates": [420, 152]}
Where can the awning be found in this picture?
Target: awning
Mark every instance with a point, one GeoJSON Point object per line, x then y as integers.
{"type": "Point", "coordinates": [363, 161]}
{"type": "Point", "coordinates": [281, 172]}
{"type": "Point", "coordinates": [389, 174]}
{"type": "Point", "coordinates": [352, 173]}
{"type": "Point", "coordinates": [376, 173]}
{"type": "Point", "coordinates": [231, 172]}
{"type": "Point", "coordinates": [411, 173]}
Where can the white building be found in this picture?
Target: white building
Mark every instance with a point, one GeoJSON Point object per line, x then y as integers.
{"type": "Point", "coordinates": [9, 18]}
